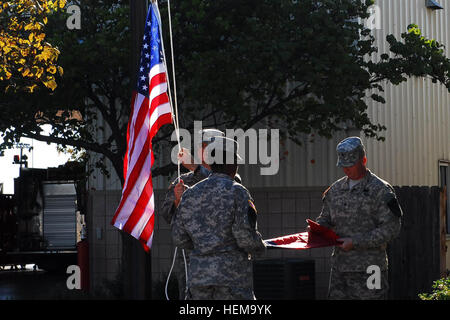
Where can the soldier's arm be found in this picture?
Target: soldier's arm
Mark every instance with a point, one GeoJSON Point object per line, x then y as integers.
{"type": "Point", "coordinates": [244, 226]}
{"type": "Point", "coordinates": [389, 222]}
{"type": "Point", "coordinates": [169, 204]}
{"type": "Point", "coordinates": [180, 236]}
{"type": "Point", "coordinates": [324, 219]}
{"type": "Point", "coordinates": [167, 209]}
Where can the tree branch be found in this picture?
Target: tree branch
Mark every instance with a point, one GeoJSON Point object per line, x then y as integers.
{"type": "Point", "coordinates": [102, 149]}
{"type": "Point", "coordinates": [269, 110]}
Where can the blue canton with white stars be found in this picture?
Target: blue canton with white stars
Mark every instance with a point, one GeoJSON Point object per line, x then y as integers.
{"type": "Point", "coordinates": [151, 53]}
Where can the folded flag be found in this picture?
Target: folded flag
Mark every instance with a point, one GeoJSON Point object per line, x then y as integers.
{"type": "Point", "coordinates": [318, 237]}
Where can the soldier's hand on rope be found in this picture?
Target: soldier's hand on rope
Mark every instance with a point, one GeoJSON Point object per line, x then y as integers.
{"type": "Point", "coordinates": [178, 191]}
{"type": "Point", "coordinates": [347, 244]}
{"type": "Point", "coordinates": [186, 159]}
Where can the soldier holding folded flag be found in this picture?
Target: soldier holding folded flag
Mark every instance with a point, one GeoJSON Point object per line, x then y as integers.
{"type": "Point", "coordinates": [363, 210]}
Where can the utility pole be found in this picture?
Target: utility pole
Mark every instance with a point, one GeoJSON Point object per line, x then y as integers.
{"type": "Point", "coordinates": [136, 264]}
{"type": "Point", "coordinates": [23, 159]}
{"type": "Point", "coordinates": [20, 160]}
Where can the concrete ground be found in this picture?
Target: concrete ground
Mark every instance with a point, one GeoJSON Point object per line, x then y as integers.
{"type": "Point", "coordinates": [29, 284]}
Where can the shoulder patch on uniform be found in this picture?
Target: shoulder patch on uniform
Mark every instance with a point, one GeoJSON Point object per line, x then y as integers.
{"type": "Point", "coordinates": [395, 207]}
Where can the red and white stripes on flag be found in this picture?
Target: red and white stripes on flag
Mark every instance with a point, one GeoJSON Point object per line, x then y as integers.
{"type": "Point", "coordinates": [150, 110]}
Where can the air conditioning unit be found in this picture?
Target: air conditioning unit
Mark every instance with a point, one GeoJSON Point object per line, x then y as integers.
{"type": "Point", "coordinates": [284, 279]}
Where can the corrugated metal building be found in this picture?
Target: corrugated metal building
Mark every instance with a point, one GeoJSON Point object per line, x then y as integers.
{"type": "Point", "coordinates": [416, 150]}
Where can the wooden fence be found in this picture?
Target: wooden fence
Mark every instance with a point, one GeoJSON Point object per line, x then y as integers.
{"type": "Point", "coordinates": [414, 257]}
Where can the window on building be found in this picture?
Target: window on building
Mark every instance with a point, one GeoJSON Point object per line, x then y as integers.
{"type": "Point", "coordinates": [444, 176]}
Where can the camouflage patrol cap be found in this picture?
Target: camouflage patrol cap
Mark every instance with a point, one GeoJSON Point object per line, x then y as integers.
{"type": "Point", "coordinates": [224, 144]}
{"type": "Point", "coordinates": [208, 134]}
{"type": "Point", "coordinates": [349, 151]}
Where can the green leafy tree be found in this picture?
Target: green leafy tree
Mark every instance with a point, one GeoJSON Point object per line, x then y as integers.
{"type": "Point", "coordinates": [441, 290]}
{"type": "Point", "coordinates": [299, 66]}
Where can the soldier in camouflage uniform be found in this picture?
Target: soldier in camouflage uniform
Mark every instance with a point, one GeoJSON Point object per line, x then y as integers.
{"type": "Point", "coordinates": [173, 195]}
{"type": "Point", "coordinates": [216, 220]}
{"type": "Point", "coordinates": [363, 210]}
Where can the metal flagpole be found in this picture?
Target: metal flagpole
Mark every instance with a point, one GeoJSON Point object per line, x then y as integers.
{"type": "Point", "coordinates": [174, 107]}
{"type": "Point", "coordinates": [172, 99]}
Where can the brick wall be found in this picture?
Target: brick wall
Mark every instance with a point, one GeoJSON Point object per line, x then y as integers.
{"type": "Point", "coordinates": [105, 245]}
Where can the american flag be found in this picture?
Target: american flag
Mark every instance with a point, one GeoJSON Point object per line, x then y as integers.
{"type": "Point", "coordinates": [150, 109]}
